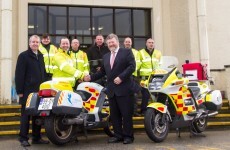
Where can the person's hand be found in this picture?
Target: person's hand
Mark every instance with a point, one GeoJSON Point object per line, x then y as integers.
{"type": "Point", "coordinates": [87, 78]}
{"type": "Point", "coordinates": [117, 80]}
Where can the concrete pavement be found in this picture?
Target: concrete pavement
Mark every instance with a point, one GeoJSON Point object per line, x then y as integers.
{"type": "Point", "coordinates": [214, 140]}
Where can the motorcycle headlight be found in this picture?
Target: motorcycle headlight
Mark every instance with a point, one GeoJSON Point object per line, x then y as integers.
{"type": "Point", "coordinates": [155, 85]}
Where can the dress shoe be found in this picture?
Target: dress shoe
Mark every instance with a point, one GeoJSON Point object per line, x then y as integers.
{"type": "Point", "coordinates": [128, 141]}
{"type": "Point", "coordinates": [25, 143]}
{"type": "Point", "coordinates": [40, 141]}
{"type": "Point", "coordinates": [115, 140]}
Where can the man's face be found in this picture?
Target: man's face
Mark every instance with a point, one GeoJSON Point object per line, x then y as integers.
{"type": "Point", "coordinates": [150, 44]}
{"type": "Point", "coordinates": [46, 41]}
{"type": "Point", "coordinates": [99, 40]}
{"type": "Point", "coordinates": [75, 44]}
{"type": "Point", "coordinates": [112, 44]}
{"type": "Point", "coordinates": [34, 43]}
{"type": "Point", "coordinates": [128, 43]}
{"type": "Point", "coordinates": [65, 44]}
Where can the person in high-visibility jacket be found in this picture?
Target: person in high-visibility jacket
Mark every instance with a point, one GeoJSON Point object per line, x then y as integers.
{"type": "Point", "coordinates": [150, 60]}
{"type": "Point", "coordinates": [136, 54]}
{"type": "Point", "coordinates": [65, 65]}
{"type": "Point", "coordinates": [79, 58]}
{"type": "Point", "coordinates": [48, 50]}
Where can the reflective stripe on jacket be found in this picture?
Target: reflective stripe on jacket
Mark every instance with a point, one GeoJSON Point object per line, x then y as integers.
{"type": "Point", "coordinates": [80, 60]}
{"type": "Point", "coordinates": [136, 55]}
{"type": "Point", "coordinates": [65, 68]}
{"type": "Point", "coordinates": [149, 63]}
{"type": "Point", "coordinates": [48, 57]}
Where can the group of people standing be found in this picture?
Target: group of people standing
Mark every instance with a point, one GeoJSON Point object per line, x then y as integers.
{"type": "Point", "coordinates": [123, 67]}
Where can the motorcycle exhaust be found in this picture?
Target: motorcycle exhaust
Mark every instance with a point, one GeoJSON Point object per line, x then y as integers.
{"type": "Point", "coordinates": [206, 115]}
{"type": "Point", "coordinates": [213, 113]}
{"type": "Point", "coordinates": [72, 121]}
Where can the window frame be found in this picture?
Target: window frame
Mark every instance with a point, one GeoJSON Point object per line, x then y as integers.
{"type": "Point", "coordinates": [91, 35]}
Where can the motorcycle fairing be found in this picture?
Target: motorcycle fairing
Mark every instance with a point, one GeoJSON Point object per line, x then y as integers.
{"type": "Point", "coordinates": [94, 104]}
{"type": "Point", "coordinates": [178, 99]}
{"type": "Point", "coordinates": [93, 89]}
{"type": "Point", "coordinates": [158, 106]}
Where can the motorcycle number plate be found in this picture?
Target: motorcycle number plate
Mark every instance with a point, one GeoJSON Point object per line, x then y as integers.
{"type": "Point", "coordinates": [46, 103]}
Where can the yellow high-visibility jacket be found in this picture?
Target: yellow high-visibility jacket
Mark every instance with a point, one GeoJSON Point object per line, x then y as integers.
{"type": "Point", "coordinates": [65, 68]}
{"type": "Point", "coordinates": [48, 57]}
{"type": "Point", "coordinates": [80, 60]}
{"type": "Point", "coordinates": [149, 63]}
{"type": "Point", "coordinates": [136, 55]}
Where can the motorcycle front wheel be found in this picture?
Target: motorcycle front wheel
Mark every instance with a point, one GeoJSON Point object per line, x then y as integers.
{"type": "Point", "coordinates": [57, 132]}
{"type": "Point", "coordinates": [156, 129]}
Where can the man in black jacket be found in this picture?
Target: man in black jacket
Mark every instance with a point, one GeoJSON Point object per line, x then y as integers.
{"type": "Point", "coordinates": [95, 54]}
{"type": "Point", "coordinates": [29, 74]}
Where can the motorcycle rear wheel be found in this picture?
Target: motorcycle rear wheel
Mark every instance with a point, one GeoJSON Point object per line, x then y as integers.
{"type": "Point", "coordinates": [156, 130]}
{"type": "Point", "coordinates": [58, 133]}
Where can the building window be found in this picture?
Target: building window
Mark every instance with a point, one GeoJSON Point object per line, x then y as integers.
{"type": "Point", "coordinates": [141, 23]}
{"type": "Point", "coordinates": [79, 21]}
{"type": "Point", "coordinates": [123, 22]}
{"type": "Point", "coordinates": [102, 21]}
{"type": "Point", "coordinates": [58, 20]}
{"type": "Point", "coordinates": [37, 20]}
{"type": "Point", "coordinates": [84, 23]}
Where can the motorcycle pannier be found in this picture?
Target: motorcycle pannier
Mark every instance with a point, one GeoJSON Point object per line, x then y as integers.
{"type": "Point", "coordinates": [213, 100]}
{"type": "Point", "coordinates": [32, 104]}
{"type": "Point", "coordinates": [67, 103]}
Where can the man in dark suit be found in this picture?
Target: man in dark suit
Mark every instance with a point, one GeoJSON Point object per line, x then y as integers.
{"type": "Point", "coordinates": [119, 65]}
{"type": "Point", "coordinates": [29, 74]}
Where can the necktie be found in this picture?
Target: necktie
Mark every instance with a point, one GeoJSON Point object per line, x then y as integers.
{"type": "Point", "coordinates": [112, 59]}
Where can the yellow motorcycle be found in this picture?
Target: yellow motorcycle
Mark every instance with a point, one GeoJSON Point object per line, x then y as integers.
{"type": "Point", "coordinates": [178, 102]}
{"type": "Point", "coordinates": [63, 110]}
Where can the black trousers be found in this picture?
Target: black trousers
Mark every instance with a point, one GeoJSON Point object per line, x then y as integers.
{"type": "Point", "coordinates": [145, 99]}
{"type": "Point", "coordinates": [24, 127]}
{"type": "Point", "coordinates": [137, 81]}
{"type": "Point", "coordinates": [121, 112]}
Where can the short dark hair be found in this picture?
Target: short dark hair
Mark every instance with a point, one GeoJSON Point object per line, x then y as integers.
{"type": "Point", "coordinates": [45, 35]}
